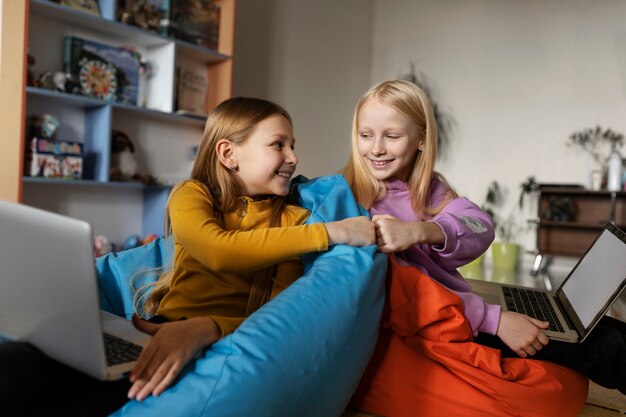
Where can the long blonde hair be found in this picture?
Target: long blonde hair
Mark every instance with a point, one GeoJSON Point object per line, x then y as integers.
{"type": "Point", "coordinates": [410, 100]}
{"type": "Point", "coordinates": [233, 119]}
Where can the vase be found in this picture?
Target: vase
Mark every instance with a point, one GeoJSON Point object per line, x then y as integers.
{"type": "Point", "coordinates": [505, 255]}
{"type": "Point", "coordinates": [596, 180]}
{"type": "Point", "coordinates": [614, 180]}
{"type": "Point", "coordinates": [474, 269]}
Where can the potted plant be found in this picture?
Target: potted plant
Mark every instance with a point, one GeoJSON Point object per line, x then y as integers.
{"type": "Point", "coordinates": [603, 146]}
{"type": "Point", "coordinates": [505, 251]}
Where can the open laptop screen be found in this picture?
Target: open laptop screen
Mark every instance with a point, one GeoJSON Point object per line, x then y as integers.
{"type": "Point", "coordinates": [597, 276]}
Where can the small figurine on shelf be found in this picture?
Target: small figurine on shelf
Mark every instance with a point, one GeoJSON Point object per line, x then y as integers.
{"type": "Point", "coordinates": [102, 246]}
{"type": "Point", "coordinates": [30, 75]}
{"type": "Point", "coordinates": [149, 238]}
{"type": "Point", "coordinates": [44, 126]}
{"type": "Point", "coordinates": [146, 72]}
{"type": "Point", "coordinates": [135, 240]}
{"type": "Point", "coordinates": [123, 162]}
{"type": "Point", "coordinates": [52, 80]}
{"type": "Point", "coordinates": [146, 14]}
{"type": "Point", "coordinates": [131, 242]}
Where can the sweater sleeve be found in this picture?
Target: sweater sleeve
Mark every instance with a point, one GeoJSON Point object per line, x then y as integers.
{"type": "Point", "coordinates": [198, 230]}
{"type": "Point", "coordinates": [468, 233]}
{"type": "Point", "coordinates": [482, 317]}
{"type": "Point", "coordinates": [227, 325]}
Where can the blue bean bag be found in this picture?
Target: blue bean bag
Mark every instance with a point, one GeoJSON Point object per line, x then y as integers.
{"type": "Point", "coordinates": [301, 354]}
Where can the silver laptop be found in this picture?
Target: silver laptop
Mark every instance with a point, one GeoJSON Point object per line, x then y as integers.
{"type": "Point", "coordinates": [589, 290]}
{"type": "Point", "coordinates": [49, 293]}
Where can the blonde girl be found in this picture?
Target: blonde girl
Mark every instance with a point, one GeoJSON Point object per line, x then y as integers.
{"type": "Point", "coordinates": [420, 218]}
{"type": "Point", "coordinates": [417, 214]}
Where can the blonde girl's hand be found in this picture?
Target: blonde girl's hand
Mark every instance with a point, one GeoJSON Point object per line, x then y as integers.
{"type": "Point", "coordinates": [521, 333]}
{"type": "Point", "coordinates": [171, 347]}
{"type": "Point", "coordinates": [353, 231]}
{"type": "Point", "coordinates": [394, 235]}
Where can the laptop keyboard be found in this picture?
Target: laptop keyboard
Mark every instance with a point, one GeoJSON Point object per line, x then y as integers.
{"type": "Point", "coordinates": [120, 350]}
{"type": "Point", "coordinates": [533, 303]}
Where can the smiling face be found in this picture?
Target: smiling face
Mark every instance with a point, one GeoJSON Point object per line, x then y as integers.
{"type": "Point", "coordinates": [266, 161]}
{"type": "Point", "coordinates": [387, 141]}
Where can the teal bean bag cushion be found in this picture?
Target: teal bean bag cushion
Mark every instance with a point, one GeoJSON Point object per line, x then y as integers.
{"type": "Point", "coordinates": [301, 354]}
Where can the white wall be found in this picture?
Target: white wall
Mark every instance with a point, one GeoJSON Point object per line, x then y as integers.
{"type": "Point", "coordinates": [518, 77]}
{"type": "Point", "coordinates": [312, 57]}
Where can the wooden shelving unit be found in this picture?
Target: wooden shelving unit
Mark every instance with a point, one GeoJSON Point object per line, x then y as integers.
{"type": "Point", "coordinates": [591, 210]}
{"type": "Point", "coordinates": [162, 138]}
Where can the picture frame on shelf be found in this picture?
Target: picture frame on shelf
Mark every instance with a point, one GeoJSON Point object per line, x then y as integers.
{"type": "Point", "coordinates": [152, 15]}
{"type": "Point", "coordinates": [89, 6]}
{"type": "Point", "coordinates": [102, 71]}
{"type": "Point", "coordinates": [195, 21]}
{"type": "Point", "coordinates": [192, 85]}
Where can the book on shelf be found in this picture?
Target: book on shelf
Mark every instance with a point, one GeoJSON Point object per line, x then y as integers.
{"type": "Point", "coordinates": [102, 71]}
{"type": "Point", "coordinates": [192, 85]}
{"type": "Point", "coordinates": [195, 21]}
{"type": "Point", "coordinates": [51, 158]}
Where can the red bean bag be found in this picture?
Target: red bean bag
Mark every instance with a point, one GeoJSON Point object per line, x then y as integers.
{"type": "Point", "coordinates": [426, 364]}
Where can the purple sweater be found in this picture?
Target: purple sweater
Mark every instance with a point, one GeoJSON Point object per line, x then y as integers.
{"type": "Point", "coordinates": [469, 232]}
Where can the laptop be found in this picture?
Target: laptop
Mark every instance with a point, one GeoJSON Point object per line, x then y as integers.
{"type": "Point", "coordinates": [585, 295]}
{"type": "Point", "coordinates": [49, 294]}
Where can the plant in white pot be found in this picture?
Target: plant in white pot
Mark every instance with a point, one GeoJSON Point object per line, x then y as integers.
{"type": "Point", "coordinates": [603, 146]}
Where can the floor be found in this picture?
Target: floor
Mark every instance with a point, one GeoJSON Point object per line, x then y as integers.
{"type": "Point", "coordinates": [604, 402]}
{"type": "Point", "coordinates": [600, 403]}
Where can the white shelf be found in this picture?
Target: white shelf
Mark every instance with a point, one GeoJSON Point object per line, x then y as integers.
{"type": "Point", "coordinates": [87, 102]}
{"type": "Point", "coordinates": [92, 183]}
{"type": "Point", "coordinates": [162, 138]}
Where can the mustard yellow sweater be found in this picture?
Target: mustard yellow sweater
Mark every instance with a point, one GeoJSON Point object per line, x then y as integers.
{"type": "Point", "coordinates": [214, 266]}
